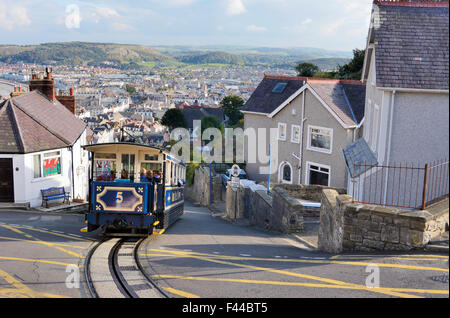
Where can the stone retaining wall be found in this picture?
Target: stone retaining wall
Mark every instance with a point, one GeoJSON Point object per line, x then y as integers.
{"type": "Point", "coordinates": [347, 226]}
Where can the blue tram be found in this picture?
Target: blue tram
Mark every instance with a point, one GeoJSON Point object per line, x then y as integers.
{"type": "Point", "coordinates": [134, 189]}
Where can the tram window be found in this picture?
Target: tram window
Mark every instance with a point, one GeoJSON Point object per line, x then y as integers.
{"type": "Point", "coordinates": [105, 170]}
{"type": "Point", "coordinates": [151, 157]}
{"type": "Point", "coordinates": [168, 175]}
{"type": "Point", "coordinates": [127, 171]}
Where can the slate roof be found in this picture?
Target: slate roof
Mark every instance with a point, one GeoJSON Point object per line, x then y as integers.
{"type": "Point", "coordinates": [263, 100]}
{"type": "Point", "coordinates": [412, 45]}
{"type": "Point", "coordinates": [32, 123]}
{"type": "Point", "coordinates": [345, 98]}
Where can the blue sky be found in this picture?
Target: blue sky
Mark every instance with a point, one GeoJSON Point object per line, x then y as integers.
{"type": "Point", "coordinates": [328, 24]}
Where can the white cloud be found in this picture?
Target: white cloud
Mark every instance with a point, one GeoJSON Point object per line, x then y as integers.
{"type": "Point", "coordinates": [13, 16]}
{"type": "Point", "coordinates": [235, 7]}
{"type": "Point", "coordinates": [254, 28]}
{"type": "Point", "coordinates": [121, 26]}
{"type": "Point", "coordinates": [106, 12]}
{"type": "Point", "coordinates": [306, 21]}
{"type": "Point", "coordinates": [179, 3]}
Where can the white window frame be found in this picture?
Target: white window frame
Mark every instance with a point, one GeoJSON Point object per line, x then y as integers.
{"type": "Point", "coordinates": [279, 131]}
{"type": "Point", "coordinates": [311, 148]}
{"type": "Point", "coordinates": [293, 128]}
{"type": "Point", "coordinates": [308, 169]}
{"type": "Point", "coordinates": [281, 173]}
{"type": "Point", "coordinates": [41, 164]}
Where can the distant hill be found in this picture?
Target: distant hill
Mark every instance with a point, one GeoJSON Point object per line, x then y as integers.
{"type": "Point", "coordinates": [212, 58]}
{"type": "Point", "coordinates": [77, 53]}
{"type": "Point", "coordinates": [137, 56]}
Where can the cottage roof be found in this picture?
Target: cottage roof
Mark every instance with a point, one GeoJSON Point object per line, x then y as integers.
{"type": "Point", "coordinates": [32, 123]}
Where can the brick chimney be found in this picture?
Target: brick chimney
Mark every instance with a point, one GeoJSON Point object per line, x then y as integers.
{"type": "Point", "coordinates": [68, 101]}
{"type": "Point", "coordinates": [45, 84]}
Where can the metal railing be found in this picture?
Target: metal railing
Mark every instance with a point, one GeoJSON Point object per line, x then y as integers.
{"type": "Point", "coordinates": [402, 185]}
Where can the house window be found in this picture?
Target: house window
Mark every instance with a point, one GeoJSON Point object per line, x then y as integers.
{"type": "Point", "coordinates": [295, 134]}
{"type": "Point", "coordinates": [286, 173]}
{"type": "Point", "coordinates": [47, 164]}
{"type": "Point", "coordinates": [320, 139]}
{"type": "Point", "coordinates": [282, 131]}
{"type": "Point", "coordinates": [318, 174]}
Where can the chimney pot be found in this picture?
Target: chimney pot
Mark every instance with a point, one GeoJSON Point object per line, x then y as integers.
{"type": "Point", "coordinates": [71, 91]}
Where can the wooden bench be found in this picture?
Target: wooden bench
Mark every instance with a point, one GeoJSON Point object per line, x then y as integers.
{"type": "Point", "coordinates": [54, 194]}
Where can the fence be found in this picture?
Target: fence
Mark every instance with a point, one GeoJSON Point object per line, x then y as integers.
{"type": "Point", "coordinates": [402, 185]}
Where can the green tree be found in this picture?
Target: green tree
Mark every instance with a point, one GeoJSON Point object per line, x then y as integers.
{"type": "Point", "coordinates": [130, 89]}
{"type": "Point", "coordinates": [232, 106]}
{"type": "Point", "coordinates": [174, 118]}
{"type": "Point", "coordinates": [211, 121]}
{"type": "Point", "coordinates": [353, 70]}
{"type": "Point", "coordinates": [307, 69]}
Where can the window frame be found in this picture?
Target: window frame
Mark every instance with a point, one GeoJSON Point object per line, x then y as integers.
{"type": "Point", "coordinates": [322, 150]}
{"type": "Point", "coordinates": [41, 164]}
{"type": "Point", "coordinates": [293, 134]}
{"type": "Point", "coordinates": [281, 173]}
{"type": "Point", "coordinates": [279, 131]}
{"type": "Point", "coordinates": [308, 170]}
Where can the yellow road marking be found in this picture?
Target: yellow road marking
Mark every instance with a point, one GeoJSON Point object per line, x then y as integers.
{"type": "Point", "coordinates": [53, 233]}
{"type": "Point", "coordinates": [233, 280]}
{"type": "Point", "coordinates": [20, 289]}
{"type": "Point", "coordinates": [389, 256]}
{"type": "Point", "coordinates": [36, 242]}
{"type": "Point", "coordinates": [180, 293]}
{"type": "Point", "coordinates": [36, 261]}
{"type": "Point", "coordinates": [282, 272]}
{"type": "Point", "coordinates": [307, 261]}
{"type": "Point", "coordinates": [43, 242]}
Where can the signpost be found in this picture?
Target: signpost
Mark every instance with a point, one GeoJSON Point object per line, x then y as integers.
{"type": "Point", "coordinates": [235, 172]}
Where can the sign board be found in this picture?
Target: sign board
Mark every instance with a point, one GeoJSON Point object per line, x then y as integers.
{"type": "Point", "coordinates": [235, 171]}
{"type": "Point", "coordinates": [235, 182]}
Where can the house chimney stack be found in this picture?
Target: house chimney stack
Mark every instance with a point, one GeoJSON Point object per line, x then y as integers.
{"type": "Point", "coordinates": [68, 101]}
{"type": "Point", "coordinates": [45, 85]}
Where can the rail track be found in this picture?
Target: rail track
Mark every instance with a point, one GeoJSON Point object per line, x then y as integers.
{"type": "Point", "coordinates": [113, 270]}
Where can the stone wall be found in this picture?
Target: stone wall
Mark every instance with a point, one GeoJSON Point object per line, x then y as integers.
{"type": "Point", "coordinates": [347, 226]}
{"type": "Point", "coordinates": [199, 191]}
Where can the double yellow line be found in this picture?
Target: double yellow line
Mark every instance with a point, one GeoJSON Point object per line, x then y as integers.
{"type": "Point", "coordinates": [330, 283]}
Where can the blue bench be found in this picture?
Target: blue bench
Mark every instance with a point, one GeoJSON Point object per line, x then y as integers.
{"type": "Point", "coordinates": [54, 194]}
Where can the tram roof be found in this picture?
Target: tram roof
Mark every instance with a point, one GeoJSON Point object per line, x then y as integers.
{"type": "Point", "coordinates": [93, 148]}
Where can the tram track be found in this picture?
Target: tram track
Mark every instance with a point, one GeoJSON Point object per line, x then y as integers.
{"type": "Point", "coordinates": [113, 270]}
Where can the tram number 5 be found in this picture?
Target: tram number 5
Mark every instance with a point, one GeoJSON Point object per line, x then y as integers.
{"type": "Point", "coordinates": [119, 197]}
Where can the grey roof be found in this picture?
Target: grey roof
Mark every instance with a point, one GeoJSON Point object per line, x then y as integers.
{"type": "Point", "coordinates": [359, 158]}
{"type": "Point", "coordinates": [411, 46]}
{"type": "Point", "coordinates": [264, 100]}
{"type": "Point", "coordinates": [345, 98]}
{"type": "Point", "coordinates": [32, 123]}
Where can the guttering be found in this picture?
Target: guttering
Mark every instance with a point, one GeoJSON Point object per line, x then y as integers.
{"type": "Point", "coordinates": [253, 113]}
{"type": "Point", "coordinates": [414, 90]}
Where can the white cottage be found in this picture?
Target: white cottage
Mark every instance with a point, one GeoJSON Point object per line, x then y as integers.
{"type": "Point", "coordinates": [40, 145]}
